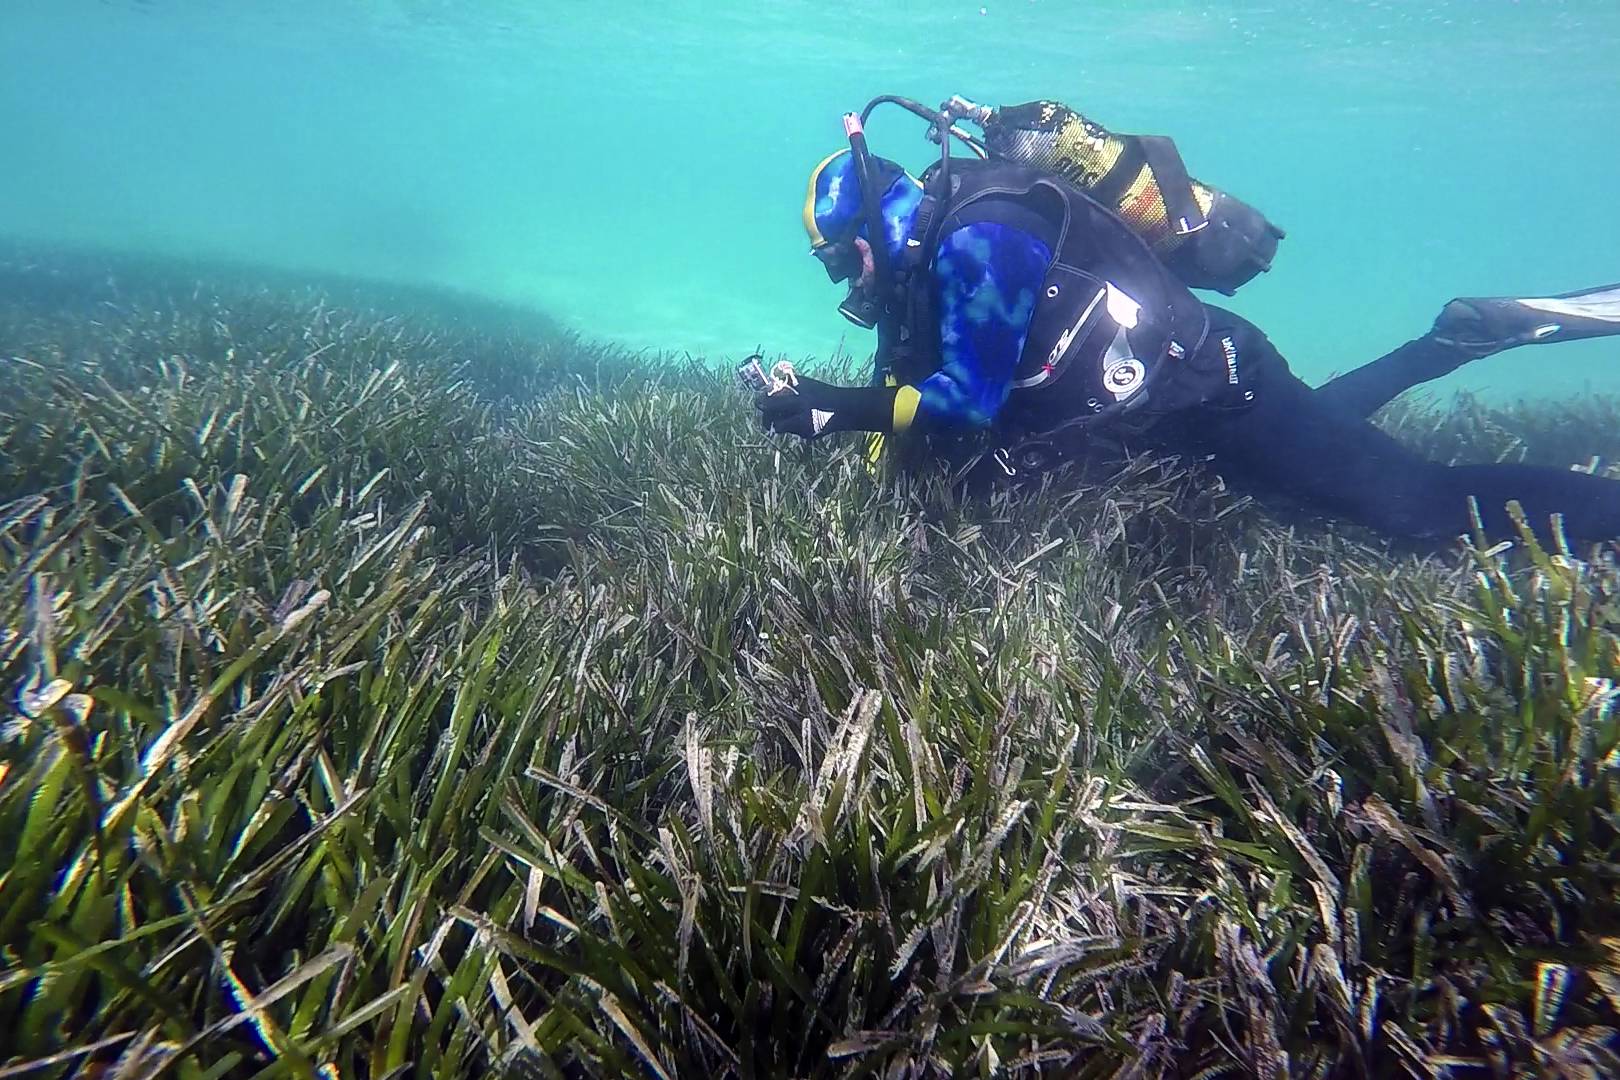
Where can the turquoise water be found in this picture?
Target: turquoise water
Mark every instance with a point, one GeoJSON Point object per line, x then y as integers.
{"type": "Point", "coordinates": [638, 169]}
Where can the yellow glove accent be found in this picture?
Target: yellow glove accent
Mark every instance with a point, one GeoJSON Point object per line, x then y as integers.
{"type": "Point", "coordinates": [875, 443]}
{"type": "Point", "coordinates": [905, 407]}
{"type": "Point", "coordinates": [874, 452]}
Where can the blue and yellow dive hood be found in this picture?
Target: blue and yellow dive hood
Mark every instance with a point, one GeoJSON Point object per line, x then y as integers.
{"type": "Point", "coordinates": [834, 205]}
{"type": "Point", "coordinates": [853, 196]}
{"type": "Point", "coordinates": [839, 221]}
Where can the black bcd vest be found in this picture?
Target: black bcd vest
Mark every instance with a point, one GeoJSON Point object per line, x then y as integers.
{"type": "Point", "coordinates": [1114, 334]}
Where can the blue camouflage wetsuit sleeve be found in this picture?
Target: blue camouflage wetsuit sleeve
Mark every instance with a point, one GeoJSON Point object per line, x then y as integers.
{"type": "Point", "coordinates": [988, 276]}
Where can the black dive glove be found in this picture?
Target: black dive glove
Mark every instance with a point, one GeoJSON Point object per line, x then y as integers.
{"type": "Point", "coordinates": [811, 408]}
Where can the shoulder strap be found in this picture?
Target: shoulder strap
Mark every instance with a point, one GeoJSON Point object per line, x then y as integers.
{"type": "Point", "coordinates": [1175, 186]}
{"type": "Point", "coordinates": [910, 298]}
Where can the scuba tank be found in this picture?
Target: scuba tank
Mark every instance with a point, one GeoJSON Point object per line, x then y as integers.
{"type": "Point", "coordinates": [1209, 239]}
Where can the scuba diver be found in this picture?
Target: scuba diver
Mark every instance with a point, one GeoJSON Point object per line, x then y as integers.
{"type": "Point", "coordinates": [1033, 303]}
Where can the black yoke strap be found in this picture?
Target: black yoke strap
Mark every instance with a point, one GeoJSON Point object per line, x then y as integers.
{"type": "Point", "coordinates": [1111, 188]}
{"type": "Point", "coordinates": [899, 345]}
{"type": "Point", "coordinates": [1175, 186]}
{"type": "Point", "coordinates": [919, 242]}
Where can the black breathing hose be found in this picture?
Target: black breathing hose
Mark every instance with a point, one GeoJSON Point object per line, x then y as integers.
{"type": "Point", "coordinates": [942, 129]}
{"type": "Point", "coordinates": [937, 118]}
{"type": "Point", "coordinates": [871, 203]}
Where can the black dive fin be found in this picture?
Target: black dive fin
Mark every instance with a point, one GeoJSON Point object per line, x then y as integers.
{"type": "Point", "coordinates": [1501, 322]}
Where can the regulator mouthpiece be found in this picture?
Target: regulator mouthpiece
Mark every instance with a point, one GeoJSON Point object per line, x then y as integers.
{"type": "Point", "coordinates": [860, 307]}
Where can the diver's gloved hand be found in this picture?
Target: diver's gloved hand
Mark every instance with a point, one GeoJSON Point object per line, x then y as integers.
{"type": "Point", "coordinates": [812, 408]}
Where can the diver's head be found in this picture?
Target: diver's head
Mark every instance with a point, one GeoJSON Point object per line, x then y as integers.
{"type": "Point", "coordinates": [836, 223]}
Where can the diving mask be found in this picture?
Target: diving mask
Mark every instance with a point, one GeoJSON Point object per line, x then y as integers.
{"type": "Point", "coordinates": [851, 260]}
{"type": "Point", "coordinates": [840, 260]}
{"type": "Point", "coordinates": [846, 260]}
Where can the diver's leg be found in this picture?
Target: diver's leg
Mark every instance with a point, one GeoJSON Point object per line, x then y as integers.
{"type": "Point", "coordinates": [1468, 329]}
{"type": "Point", "coordinates": [1368, 388]}
{"type": "Point", "coordinates": [1293, 442]}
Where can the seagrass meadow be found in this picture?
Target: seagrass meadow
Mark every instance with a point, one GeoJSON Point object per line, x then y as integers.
{"type": "Point", "coordinates": [400, 686]}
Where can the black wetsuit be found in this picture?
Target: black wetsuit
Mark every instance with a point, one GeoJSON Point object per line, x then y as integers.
{"type": "Point", "coordinates": [1118, 349]}
{"type": "Point", "coordinates": [1318, 446]}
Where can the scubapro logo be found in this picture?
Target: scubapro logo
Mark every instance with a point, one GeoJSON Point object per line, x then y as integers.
{"type": "Point", "coordinates": [1123, 377]}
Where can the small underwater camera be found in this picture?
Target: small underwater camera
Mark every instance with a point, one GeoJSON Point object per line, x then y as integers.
{"type": "Point", "coordinates": [754, 379]}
